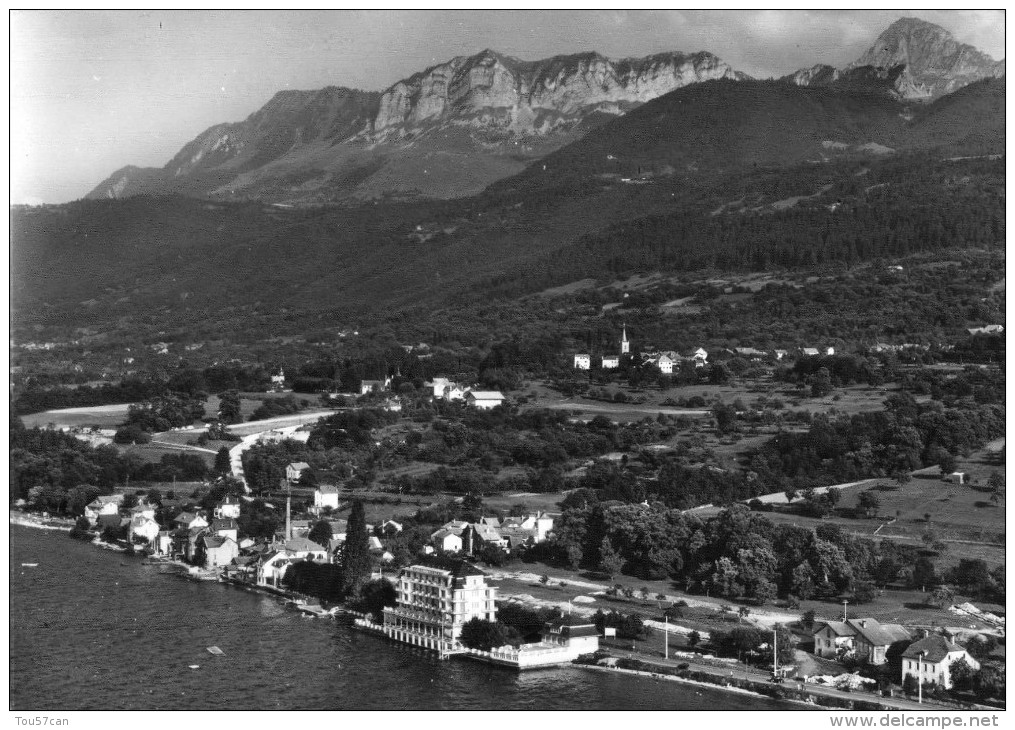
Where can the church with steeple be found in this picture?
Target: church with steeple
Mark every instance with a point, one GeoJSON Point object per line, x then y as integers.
{"type": "Point", "coordinates": [583, 361]}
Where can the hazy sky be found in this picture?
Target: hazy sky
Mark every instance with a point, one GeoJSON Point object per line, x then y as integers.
{"type": "Point", "coordinates": [94, 91]}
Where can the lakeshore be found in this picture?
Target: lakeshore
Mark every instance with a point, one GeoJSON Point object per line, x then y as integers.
{"type": "Point", "coordinates": [815, 697]}
{"type": "Point", "coordinates": [143, 633]}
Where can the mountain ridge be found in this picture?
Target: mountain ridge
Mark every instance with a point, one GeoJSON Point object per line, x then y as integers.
{"type": "Point", "coordinates": [452, 129]}
{"type": "Point", "coordinates": [337, 143]}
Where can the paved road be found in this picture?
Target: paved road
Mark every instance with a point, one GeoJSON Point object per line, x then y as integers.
{"type": "Point", "coordinates": [624, 408]}
{"type": "Point", "coordinates": [743, 671]}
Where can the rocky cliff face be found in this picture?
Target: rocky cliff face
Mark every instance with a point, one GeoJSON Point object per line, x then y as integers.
{"type": "Point", "coordinates": [503, 93]}
{"type": "Point", "coordinates": [911, 59]}
{"type": "Point", "coordinates": [449, 130]}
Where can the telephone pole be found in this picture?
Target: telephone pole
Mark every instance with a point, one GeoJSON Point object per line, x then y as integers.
{"type": "Point", "coordinates": [666, 636]}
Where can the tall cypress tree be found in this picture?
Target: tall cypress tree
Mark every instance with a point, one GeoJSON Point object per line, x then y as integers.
{"type": "Point", "coordinates": [223, 464]}
{"type": "Point", "coordinates": [356, 551]}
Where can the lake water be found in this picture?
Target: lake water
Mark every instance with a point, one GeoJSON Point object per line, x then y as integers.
{"type": "Point", "coordinates": [92, 629]}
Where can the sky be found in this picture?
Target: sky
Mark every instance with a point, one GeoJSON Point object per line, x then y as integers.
{"type": "Point", "coordinates": [92, 91]}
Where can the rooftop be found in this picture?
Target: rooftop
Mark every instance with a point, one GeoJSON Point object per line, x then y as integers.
{"type": "Point", "coordinates": [458, 568]}
{"type": "Point", "coordinates": [934, 648]}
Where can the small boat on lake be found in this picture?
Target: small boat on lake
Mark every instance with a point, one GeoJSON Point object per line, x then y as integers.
{"type": "Point", "coordinates": [216, 651]}
{"type": "Point", "coordinates": [29, 565]}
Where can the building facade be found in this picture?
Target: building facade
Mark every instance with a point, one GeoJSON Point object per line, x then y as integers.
{"type": "Point", "coordinates": [436, 597]}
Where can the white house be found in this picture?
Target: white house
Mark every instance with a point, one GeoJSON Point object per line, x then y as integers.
{"type": "Point", "coordinates": [700, 357]}
{"type": "Point", "coordinates": [930, 659]}
{"type": "Point", "coordinates": [809, 351]}
{"type": "Point", "coordinates": [229, 508]}
{"type": "Point", "coordinates": [189, 520]}
{"type": "Point", "coordinates": [301, 548]}
{"type": "Point", "coordinates": [278, 380]}
{"type": "Point", "coordinates": [226, 527]}
{"type": "Point", "coordinates": [144, 509]}
{"type": "Point", "coordinates": [294, 469]}
{"type": "Point", "coordinates": [272, 569]}
{"type": "Point", "coordinates": [163, 543]}
{"type": "Point", "coordinates": [390, 527]}
{"type": "Point", "coordinates": [107, 504]}
{"type": "Point", "coordinates": [438, 385]}
{"type": "Point", "coordinates": [484, 399]}
{"type": "Point", "coordinates": [218, 551]}
{"type": "Point", "coordinates": [611, 362]}
{"type": "Point", "coordinates": [374, 386]}
{"type": "Point", "coordinates": [829, 351]}
{"type": "Point", "coordinates": [583, 361]}
{"type": "Point", "coordinates": [325, 495]}
{"type": "Point", "coordinates": [144, 527]}
{"type": "Point", "coordinates": [447, 541]}
{"type": "Point", "coordinates": [665, 365]}
{"type": "Point", "coordinates": [544, 524]}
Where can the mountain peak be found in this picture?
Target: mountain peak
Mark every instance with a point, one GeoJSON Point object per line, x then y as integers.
{"type": "Point", "coordinates": [932, 56]}
{"type": "Point", "coordinates": [910, 59]}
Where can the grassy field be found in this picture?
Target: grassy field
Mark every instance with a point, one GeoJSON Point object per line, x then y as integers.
{"type": "Point", "coordinates": [108, 416]}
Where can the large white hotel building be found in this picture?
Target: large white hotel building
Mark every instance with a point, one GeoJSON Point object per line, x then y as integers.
{"type": "Point", "coordinates": [435, 598]}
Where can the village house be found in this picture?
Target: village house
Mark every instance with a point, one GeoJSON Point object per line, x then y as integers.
{"type": "Point", "coordinates": [301, 549]}
{"type": "Point", "coordinates": [930, 660]}
{"type": "Point", "coordinates": [864, 638]}
{"type": "Point", "coordinates": [325, 496]}
{"type": "Point", "coordinates": [107, 504]}
{"type": "Point", "coordinates": [749, 352]}
{"type": "Point", "coordinates": [665, 364]}
{"type": "Point", "coordinates": [484, 399]}
{"type": "Point", "coordinates": [190, 542]}
{"type": "Point", "coordinates": [374, 386]}
{"type": "Point", "coordinates": [809, 352]}
{"type": "Point", "coordinates": [273, 566]}
{"type": "Point", "coordinates": [447, 540]}
{"type": "Point", "coordinates": [390, 527]}
{"type": "Point", "coordinates": [294, 469]}
{"type": "Point", "coordinates": [218, 550]}
{"type": "Point", "coordinates": [143, 509]}
{"type": "Point", "coordinates": [435, 598]}
{"type": "Point", "coordinates": [229, 508]}
{"type": "Point", "coordinates": [700, 357]}
{"type": "Point", "coordinates": [142, 527]}
{"type": "Point", "coordinates": [278, 380]}
{"type": "Point", "coordinates": [611, 362]}
{"type": "Point", "coordinates": [188, 520]}
{"type": "Point", "coordinates": [438, 385]}
{"type": "Point", "coordinates": [225, 527]}
{"type": "Point", "coordinates": [583, 361]}
{"type": "Point", "coordinates": [163, 543]}
{"type": "Point", "coordinates": [475, 536]}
